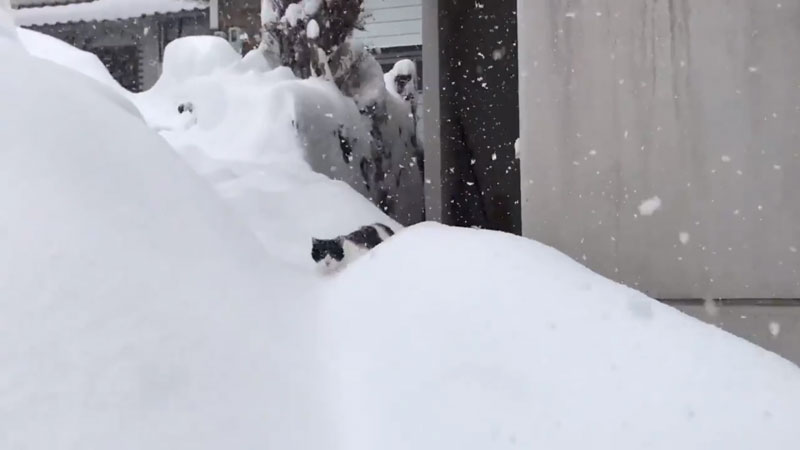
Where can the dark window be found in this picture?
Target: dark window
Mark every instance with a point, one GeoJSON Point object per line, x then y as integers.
{"type": "Point", "coordinates": [123, 64]}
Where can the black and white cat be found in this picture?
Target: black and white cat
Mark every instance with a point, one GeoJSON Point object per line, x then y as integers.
{"type": "Point", "coordinates": [333, 254]}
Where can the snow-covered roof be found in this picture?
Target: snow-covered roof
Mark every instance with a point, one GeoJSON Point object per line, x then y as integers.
{"type": "Point", "coordinates": [103, 10]}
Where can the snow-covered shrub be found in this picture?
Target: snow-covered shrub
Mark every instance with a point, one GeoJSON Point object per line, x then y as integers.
{"type": "Point", "coordinates": [308, 32]}
{"type": "Point", "coordinates": [313, 38]}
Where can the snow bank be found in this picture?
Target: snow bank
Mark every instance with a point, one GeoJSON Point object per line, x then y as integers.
{"type": "Point", "coordinates": [65, 55]}
{"type": "Point", "coordinates": [102, 10]}
{"type": "Point", "coordinates": [136, 312]}
{"type": "Point", "coordinates": [256, 134]}
{"type": "Point", "coordinates": [196, 56]}
{"type": "Point", "coordinates": [59, 52]}
{"type": "Point", "coordinates": [488, 341]}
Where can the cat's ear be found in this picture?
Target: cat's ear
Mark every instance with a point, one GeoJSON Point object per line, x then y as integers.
{"type": "Point", "coordinates": [314, 241]}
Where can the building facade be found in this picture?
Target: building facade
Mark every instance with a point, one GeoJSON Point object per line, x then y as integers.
{"type": "Point", "coordinates": [393, 28]}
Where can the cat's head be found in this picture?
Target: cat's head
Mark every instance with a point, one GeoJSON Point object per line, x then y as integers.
{"type": "Point", "coordinates": [327, 252]}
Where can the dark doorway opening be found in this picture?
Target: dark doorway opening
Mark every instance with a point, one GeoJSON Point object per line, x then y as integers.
{"type": "Point", "coordinates": [479, 114]}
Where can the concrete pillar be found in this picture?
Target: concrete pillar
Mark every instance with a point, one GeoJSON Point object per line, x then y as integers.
{"type": "Point", "coordinates": [695, 102]}
{"type": "Point", "coordinates": [431, 114]}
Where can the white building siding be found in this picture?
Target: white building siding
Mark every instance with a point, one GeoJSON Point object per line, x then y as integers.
{"type": "Point", "coordinates": [392, 23]}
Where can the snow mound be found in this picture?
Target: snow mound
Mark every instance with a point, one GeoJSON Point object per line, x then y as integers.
{"type": "Point", "coordinates": [258, 136]}
{"type": "Point", "coordinates": [254, 61]}
{"type": "Point", "coordinates": [131, 298]}
{"type": "Point", "coordinates": [59, 52]}
{"type": "Point", "coordinates": [195, 56]}
{"type": "Point", "coordinates": [63, 54]}
{"type": "Point", "coordinates": [486, 341]}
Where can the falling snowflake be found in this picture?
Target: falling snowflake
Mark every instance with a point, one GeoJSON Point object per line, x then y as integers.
{"type": "Point", "coordinates": [683, 237]}
{"type": "Point", "coordinates": [774, 328]}
{"type": "Point", "coordinates": [711, 307]}
{"type": "Point", "coordinates": [650, 206]}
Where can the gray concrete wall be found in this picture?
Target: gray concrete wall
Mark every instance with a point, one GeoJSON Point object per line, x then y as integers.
{"type": "Point", "coordinates": [773, 327]}
{"type": "Point", "coordinates": [694, 101]}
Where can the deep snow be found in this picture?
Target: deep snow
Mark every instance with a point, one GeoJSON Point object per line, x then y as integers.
{"type": "Point", "coordinates": [255, 134]}
{"type": "Point", "coordinates": [487, 340]}
{"type": "Point", "coordinates": [59, 52]}
{"type": "Point", "coordinates": [138, 311]}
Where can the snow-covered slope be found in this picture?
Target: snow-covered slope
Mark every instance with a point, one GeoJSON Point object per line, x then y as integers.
{"type": "Point", "coordinates": [136, 312]}
{"type": "Point", "coordinates": [240, 130]}
{"type": "Point", "coordinates": [59, 52]}
{"type": "Point", "coordinates": [489, 341]}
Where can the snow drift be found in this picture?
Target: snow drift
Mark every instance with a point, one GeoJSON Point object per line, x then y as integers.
{"type": "Point", "coordinates": [262, 137]}
{"type": "Point", "coordinates": [489, 341]}
{"type": "Point", "coordinates": [136, 312]}
{"type": "Point", "coordinates": [59, 52]}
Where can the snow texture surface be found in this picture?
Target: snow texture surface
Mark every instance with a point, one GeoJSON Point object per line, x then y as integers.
{"type": "Point", "coordinates": [243, 136]}
{"type": "Point", "coordinates": [131, 299]}
{"type": "Point", "coordinates": [58, 51]}
{"type": "Point", "coordinates": [312, 29]}
{"type": "Point", "coordinates": [488, 340]}
{"type": "Point", "coordinates": [102, 10]}
{"type": "Point", "coordinates": [138, 310]}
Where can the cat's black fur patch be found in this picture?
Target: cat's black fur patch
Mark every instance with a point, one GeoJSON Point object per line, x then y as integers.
{"type": "Point", "coordinates": [320, 248]}
{"type": "Point", "coordinates": [185, 107]}
{"type": "Point", "coordinates": [366, 236]}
